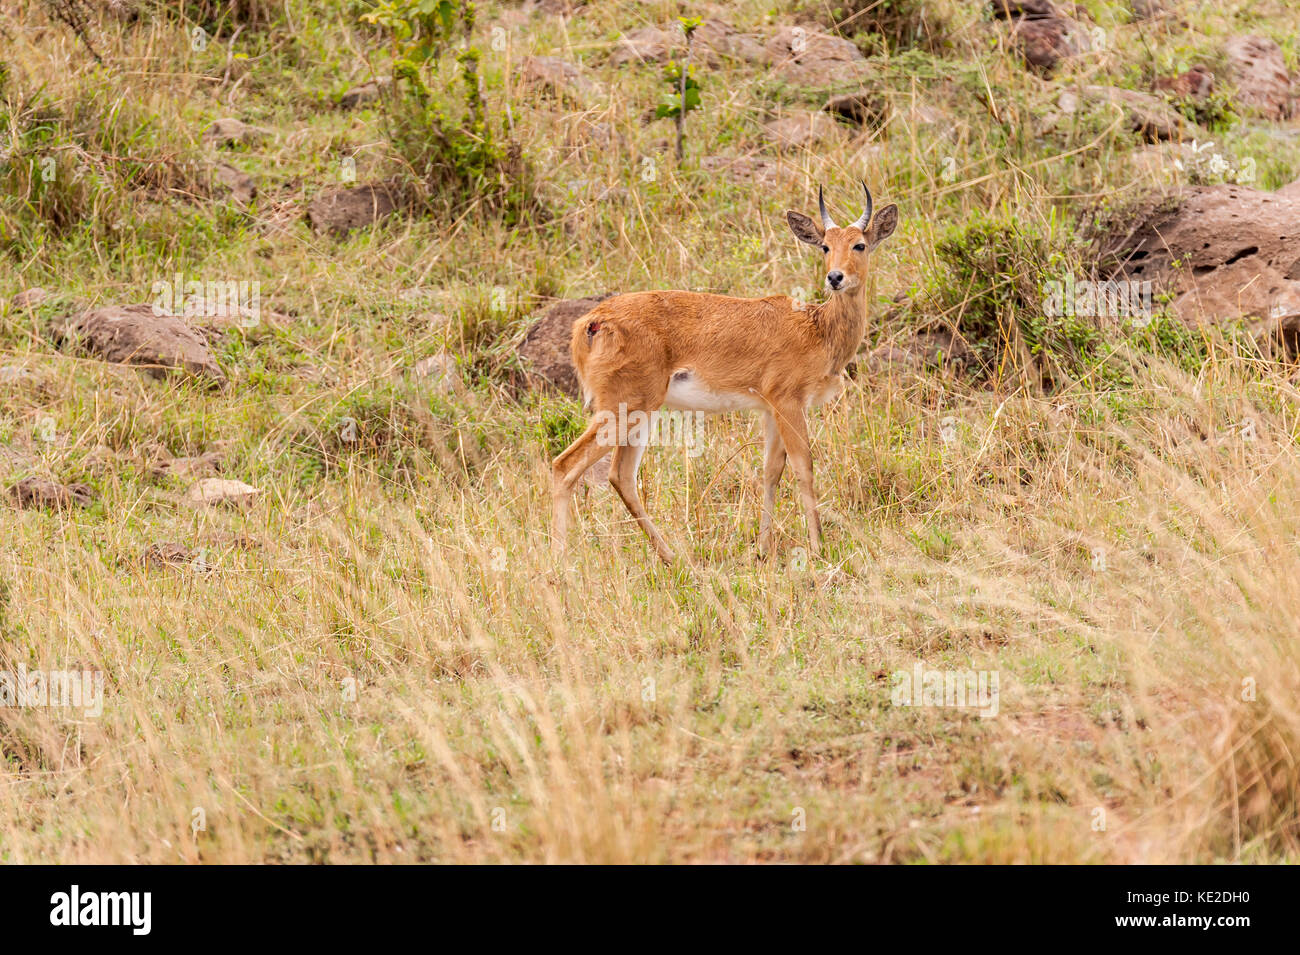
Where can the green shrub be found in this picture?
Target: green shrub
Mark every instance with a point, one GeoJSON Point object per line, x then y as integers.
{"type": "Point", "coordinates": [991, 290]}
{"type": "Point", "coordinates": [449, 145]}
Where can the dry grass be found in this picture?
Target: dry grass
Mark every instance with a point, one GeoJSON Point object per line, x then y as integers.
{"type": "Point", "coordinates": [1122, 558]}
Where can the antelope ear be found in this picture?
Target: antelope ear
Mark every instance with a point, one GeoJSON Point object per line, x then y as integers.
{"type": "Point", "coordinates": [804, 229]}
{"type": "Point", "coordinates": [883, 225]}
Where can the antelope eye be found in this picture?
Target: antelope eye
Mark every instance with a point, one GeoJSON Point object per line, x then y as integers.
{"type": "Point", "coordinates": [826, 248]}
{"type": "Point", "coordinates": [860, 247]}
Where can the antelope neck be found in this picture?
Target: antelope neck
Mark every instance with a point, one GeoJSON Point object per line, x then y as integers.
{"type": "Point", "coordinates": [842, 321]}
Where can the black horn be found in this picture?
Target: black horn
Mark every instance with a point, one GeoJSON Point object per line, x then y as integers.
{"type": "Point", "coordinates": [826, 216]}
{"type": "Point", "coordinates": [866, 216]}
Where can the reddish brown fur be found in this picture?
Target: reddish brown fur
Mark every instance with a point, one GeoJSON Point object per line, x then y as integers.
{"type": "Point", "coordinates": [785, 356]}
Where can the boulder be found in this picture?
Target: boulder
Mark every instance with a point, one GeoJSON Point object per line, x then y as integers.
{"type": "Point", "coordinates": [1259, 69]}
{"type": "Point", "coordinates": [339, 211]}
{"type": "Point", "coordinates": [1224, 253]}
{"type": "Point", "coordinates": [365, 93]}
{"type": "Point", "coordinates": [29, 298]}
{"type": "Point", "coordinates": [646, 45]}
{"type": "Point", "coordinates": [1045, 42]}
{"type": "Point", "coordinates": [1145, 114]}
{"type": "Point", "coordinates": [714, 42]}
{"type": "Point", "coordinates": [927, 348]}
{"type": "Point", "coordinates": [808, 58]}
{"type": "Point", "coordinates": [889, 359]}
{"type": "Point", "coordinates": [38, 493]}
{"type": "Point", "coordinates": [188, 467]}
{"type": "Point", "coordinates": [717, 42]}
{"type": "Point", "coordinates": [860, 108]}
{"type": "Point", "coordinates": [1195, 85]}
{"type": "Point", "coordinates": [240, 185]}
{"type": "Point", "coordinates": [134, 335]}
{"type": "Point", "coordinates": [802, 129]}
{"type": "Point", "coordinates": [545, 349]}
{"type": "Point", "coordinates": [212, 491]}
{"type": "Point", "coordinates": [232, 132]}
{"type": "Point", "coordinates": [550, 75]}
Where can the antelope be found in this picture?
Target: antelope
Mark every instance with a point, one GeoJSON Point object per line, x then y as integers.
{"type": "Point", "coordinates": [692, 351]}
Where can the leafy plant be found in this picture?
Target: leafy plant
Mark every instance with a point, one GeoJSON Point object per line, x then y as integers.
{"type": "Point", "coordinates": [685, 95]}
{"type": "Point", "coordinates": [451, 146]}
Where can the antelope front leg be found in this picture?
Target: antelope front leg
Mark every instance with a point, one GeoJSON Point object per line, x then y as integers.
{"type": "Point", "coordinates": [566, 471]}
{"type": "Point", "coordinates": [622, 474]}
{"type": "Point", "coordinates": [773, 467]}
{"type": "Point", "coordinates": [793, 429]}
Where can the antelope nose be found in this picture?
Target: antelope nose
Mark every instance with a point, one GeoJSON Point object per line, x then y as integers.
{"type": "Point", "coordinates": [836, 278]}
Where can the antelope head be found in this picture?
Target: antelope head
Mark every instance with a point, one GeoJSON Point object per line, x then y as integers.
{"type": "Point", "coordinates": [846, 249]}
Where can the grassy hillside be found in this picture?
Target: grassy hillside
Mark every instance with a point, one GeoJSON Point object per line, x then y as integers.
{"type": "Point", "coordinates": [378, 658]}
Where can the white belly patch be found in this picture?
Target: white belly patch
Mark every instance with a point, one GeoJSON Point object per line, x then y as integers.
{"type": "Point", "coordinates": [687, 393]}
